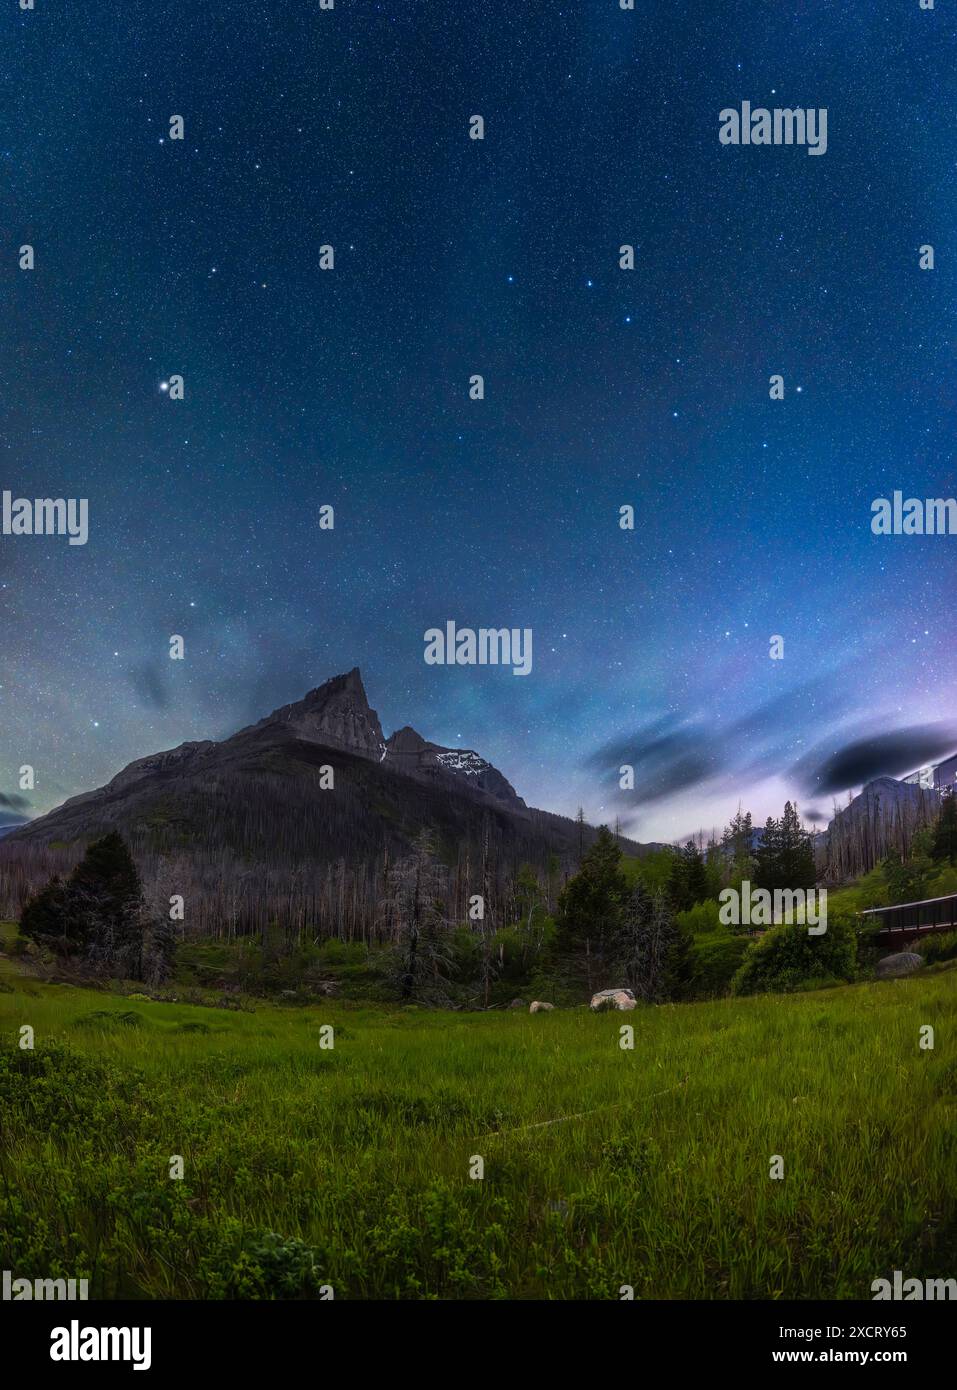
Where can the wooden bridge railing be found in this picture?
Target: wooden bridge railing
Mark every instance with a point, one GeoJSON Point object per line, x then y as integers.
{"type": "Point", "coordinates": [909, 920]}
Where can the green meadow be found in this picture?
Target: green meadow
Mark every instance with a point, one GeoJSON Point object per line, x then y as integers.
{"type": "Point", "coordinates": [306, 1167]}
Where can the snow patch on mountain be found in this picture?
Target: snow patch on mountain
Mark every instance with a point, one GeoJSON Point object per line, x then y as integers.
{"type": "Point", "coordinates": [463, 760]}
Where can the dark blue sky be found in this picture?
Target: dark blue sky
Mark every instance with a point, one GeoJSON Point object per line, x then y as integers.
{"type": "Point", "coordinates": [603, 387]}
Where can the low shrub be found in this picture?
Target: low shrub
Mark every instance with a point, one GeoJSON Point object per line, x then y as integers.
{"type": "Point", "coordinates": [788, 958]}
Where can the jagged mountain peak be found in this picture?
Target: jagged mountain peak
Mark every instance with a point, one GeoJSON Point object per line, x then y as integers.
{"type": "Point", "coordinates": [349, 684]}
{"type": "Point", "coordinates": [405, 739]}
{"type": "Point", "coordinates": [336, 714]}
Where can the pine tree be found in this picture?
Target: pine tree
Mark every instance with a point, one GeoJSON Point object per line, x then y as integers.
{"type": "Point", "coordinates": [785, 856]}
{"type": "Point", "coordinates": [796, 867]}
{"type": "Point", "coordinates": [44, 918]}
{"type": "Point", "coordinates": [767, 856]}
{"type": "Point", "coordinates": [653, 945]}
{"type": "Point", "coordinates": [98, 913]}
{"type": "Point", "coordinates": [159, 949]}
{"type": "Point", "coordinates": [105, 900]}
{"type": "Point", "coordinates": [589, 908]}
{"type": "Point", "coordinates": [714, 865]}
{"type": "Point", "coordinates": [676, 884]}
{"type": "Point", "coordinates": [695, 876]}
{"type": "Point", "coordinates": [737, 844]}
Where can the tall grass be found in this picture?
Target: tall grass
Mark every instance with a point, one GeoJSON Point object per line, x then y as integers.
{"type": "Point", "coordinates": [307, 1167]}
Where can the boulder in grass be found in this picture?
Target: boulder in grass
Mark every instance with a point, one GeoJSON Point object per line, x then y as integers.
{"type": "Point", "coordinates": [902, 963]}
{"type": "Point", "coordinates": [517, 1004]}
{"type": "Point", "coordinates": [612, 999]}
{"type": "Point", "coordinates": [538, 1006]}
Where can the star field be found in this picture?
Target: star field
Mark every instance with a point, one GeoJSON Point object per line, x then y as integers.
{"type": "Point", "coordinates": [603, 387]}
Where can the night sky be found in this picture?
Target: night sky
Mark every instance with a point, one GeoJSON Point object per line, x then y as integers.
{"type": "Point", "coordinates": [603, 387]}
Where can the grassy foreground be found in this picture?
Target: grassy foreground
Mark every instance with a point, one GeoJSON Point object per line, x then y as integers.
{"type": "Point", "coordinates": [306, 1167]}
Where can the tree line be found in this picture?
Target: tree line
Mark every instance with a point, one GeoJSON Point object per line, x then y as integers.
{"type": "Point", "coordinates": [451, 935]}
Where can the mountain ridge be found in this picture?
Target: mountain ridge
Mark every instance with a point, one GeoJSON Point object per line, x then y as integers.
{"type": "Point", "coordinates": [253, 828]}
{"type": "Point", "coordinates": [335, 715]}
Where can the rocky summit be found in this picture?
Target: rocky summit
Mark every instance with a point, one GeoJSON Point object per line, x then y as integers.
{"type": "Point", "coordinates": [336, 715]}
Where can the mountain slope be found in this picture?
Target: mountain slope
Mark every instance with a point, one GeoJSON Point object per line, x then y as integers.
{"type": "Point", "coordinates": [246, 830]}
{"type": "Point", "coordinates": [884, 816]}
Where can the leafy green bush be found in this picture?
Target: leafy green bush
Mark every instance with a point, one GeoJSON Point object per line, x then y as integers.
{"type": "Point", "coordinates": [715, 959]}
{"type": "Point", "coordinates": [944, 883]}
{"type": "Point", "coordinates": [700, 919]}
{"type": "Point", "coordinates": [271, 1266]}
{"type": "Point", "coordinates": [54, 1091]}
{"type": "Point", "coordinates": [907, 880]}
{"type": "Point", "coordinates": [788, 958]}
{"type": "Point", "coordinates": [465, 951]}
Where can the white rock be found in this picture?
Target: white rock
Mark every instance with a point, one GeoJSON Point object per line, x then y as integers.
{"type": "Point", "coordinates": [537, 1006]}
{"type": "Point", "coordinates": [613, 999]}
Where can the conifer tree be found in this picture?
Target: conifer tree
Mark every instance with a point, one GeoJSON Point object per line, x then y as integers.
{"type": "Point", "coordinates": [676, 884]}
{"type": "Point", "coordinates": [105, 900]}
{"type": "Point", "coordinates": [589, 908]}
{"type": "Point", "coordinates": [44, 917]}
{"type": "Point", "coordinates": [736, 842]}
{"type": "Point", "coordinates": [98, 913]}
{"type": "Point", "coordinates": [580, 822]}
{"type": "Point", "coordinates": [695, 876]}
{"type": "Point", "coordinates": [796, 867]}
{"type": "Point", "coordinates": [767, 856]}
{"type": "Point", "coordinates": [785, 856]}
